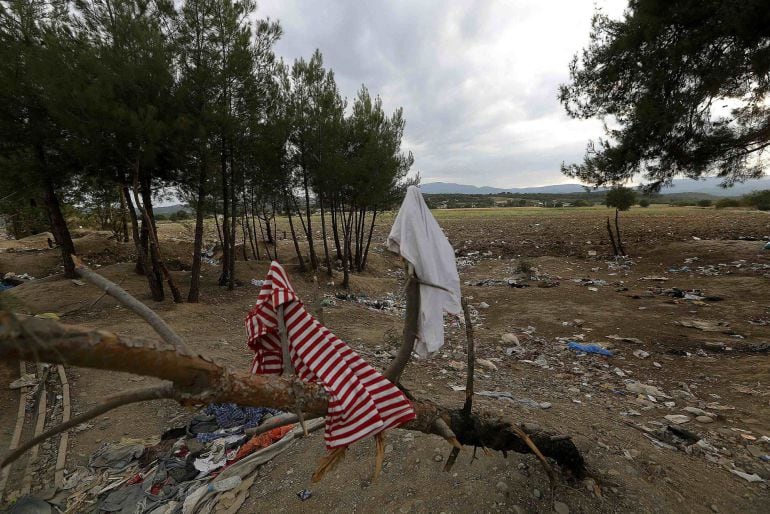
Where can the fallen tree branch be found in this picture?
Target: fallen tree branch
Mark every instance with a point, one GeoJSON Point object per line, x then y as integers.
{"type": "Point", "coordinates": [150, 316]}
{"type": "Point", "coordinates": [197, 380]}
{"type": "Point", "coordinates": [140, 395]}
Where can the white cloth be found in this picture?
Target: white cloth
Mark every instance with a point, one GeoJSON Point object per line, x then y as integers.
{"type": "Point", "coordinates": [417, 237]}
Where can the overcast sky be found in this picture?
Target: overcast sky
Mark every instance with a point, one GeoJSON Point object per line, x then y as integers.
{"type": "Point", "coordinates": [477, 80]}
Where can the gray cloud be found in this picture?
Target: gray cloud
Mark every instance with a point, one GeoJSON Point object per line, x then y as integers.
{"type": "Point", "coordinates": [477, 80]}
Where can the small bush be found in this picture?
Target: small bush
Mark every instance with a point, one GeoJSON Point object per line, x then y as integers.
{"type": "Point", "coordinates": [644, 202]}
{"type": "Point", "coordinates": [704, 203]}
{"type": "Point", "coordinates": [727, 202]}
{"type": "Point", "coordinates": [622, 198]}
{"type": "Point", "coordinates": [582, 203]}
{"type": "Point", "coordinates": [758, 199]}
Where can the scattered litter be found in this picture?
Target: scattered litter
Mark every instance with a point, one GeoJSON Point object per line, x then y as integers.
{"type": "Point", "coordinates": [304, 494]}
{"type": "Point", "coordinates": [655, 278]}
{"type": "Point", "coordinates": [257, 283]}
{"type": "Point", "coordinates": [641, 354]}
{"type": "Point", "coordinates": [589, 348]}
{"type": "Point", "coordinates": [625, 339]}
{"type": "Point", "coordinates": [750, 478]}
{"type": "Point", "coordinates": [457, 387]}
{"type": "Point", "coordinates": [502, 395]}
{"type": "Point", "coordinates": [707, 326]}
{"type": "Point", "coordinates": [78, 282]}
{"type": "Point", "coordinates": [27, 380]}
{"type": "Point", "coordinates": [639, 388]}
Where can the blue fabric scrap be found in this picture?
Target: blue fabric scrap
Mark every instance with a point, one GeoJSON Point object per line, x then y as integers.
{"type": "Point", "coordinates": [589, 348]}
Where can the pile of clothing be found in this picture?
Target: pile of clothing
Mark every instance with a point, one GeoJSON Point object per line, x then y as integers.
{"type": "Point", "coordinates": [209, 462]}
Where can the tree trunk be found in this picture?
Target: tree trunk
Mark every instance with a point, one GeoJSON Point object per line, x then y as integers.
{"type": "Point", "coordinates": [224, 277]}
{"type": "Point", "coordinates": [612, 238]}
{"type": "Point", "coordinates": [264, 241]}
{"type": "Point", "coordinates": [60, 229]}
{"type": "Point", "coordinates": [369, 239]}
{"type": "Point", "coordinates": [123, 217]}
{"type": "Point", "coordinates": [335, 231]}
{"type": "Point", "coordinates": [193, 294]}
{"type": "Point", "coordinates": [253, 226]}
{"type": "Point", "coordinates": [347, 229]}
{"type": "Point", "coordinates": [159, 267]}
{"type": "Point", "coordinates": [617, 231]}
{"type": "Point", "coordinates": [233, 218]}
{"type": "Point", "coordinates": [309, 227]}
{"type": "Point", "coordinates": [156, 289]}
{"type": "Point", "coordinates": [327, 258]}
{"type": "Point", "coordinates": [296, 243]}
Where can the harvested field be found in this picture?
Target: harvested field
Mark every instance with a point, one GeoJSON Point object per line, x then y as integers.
{"type": "Point", "coordinates": [693, 297]}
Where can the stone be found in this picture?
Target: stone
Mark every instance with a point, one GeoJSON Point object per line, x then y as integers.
{"type": "Point", "coordinates": [483, 305]}
{"type": "Point", "coordinates": [641, 354]}
{"type": "Point", "coordinates": [438, 457]}
{"type": "Point", "coordinates": [389, 448]}
{"type": "Point", "coordinates": [537, 494]}
{"type": "Point", "coordinates": [678, 419]}
{"type": "Point", "coordinates": [714, 508]}
{"type": "Point", "coordinates": [560, 508]}
{"type": "Point", "coordinates": [510, 339]}
{"type": "Point", "coordinates": [695, 411]}
{"type": "Point", "coordinates": [502, 487]}
{"type": "Point", "coordinates": [704, 419]}
{"type": "Point", "coordinates": [487, 364]}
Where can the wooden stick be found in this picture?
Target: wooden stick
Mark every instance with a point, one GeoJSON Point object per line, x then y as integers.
{"type": "Point", "coordinates": [150, 316]}
{"type": "Point", "coordinates": [139, 395]}
{"type": "Point", "coordinates": [471, 357]}
{"type": "Point", "coordinates": [61, 456]}
{"type": "Point", "coordinates": [26, 483]}
{"type": "Point", "coordinates": [17, 429]}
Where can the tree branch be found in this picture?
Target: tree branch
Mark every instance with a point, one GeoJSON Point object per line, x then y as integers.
{"type": "Point", "coordinates": [197, 380]}
{"type": "Point", "coordinates": [150, 316]}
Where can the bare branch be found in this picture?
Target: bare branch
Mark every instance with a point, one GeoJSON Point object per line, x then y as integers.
{"type": "Point", "coordinates": [397, 365]}
{"type": "Point", "coordinates": [139, 395]}
{"type": "Point", "coordinates": [150, 316]}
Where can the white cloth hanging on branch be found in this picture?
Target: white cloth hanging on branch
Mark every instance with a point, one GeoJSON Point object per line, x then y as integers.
{"type": "Point", "coordinates": [418, 238]}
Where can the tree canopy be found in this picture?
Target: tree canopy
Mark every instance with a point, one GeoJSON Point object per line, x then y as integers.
{"type": "Point", "coordinates": [682, 89]}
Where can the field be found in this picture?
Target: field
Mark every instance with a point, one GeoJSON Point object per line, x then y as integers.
{"type": "Point", "coordinates": [688, 312]}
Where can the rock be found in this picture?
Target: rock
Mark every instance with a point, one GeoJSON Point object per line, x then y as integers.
{"type": "Point", "coordinates": [714, 346]}
{"type": "Point", "coordinates": [510, 339]}
{"type": "Point", "coordinates": [487, 364]}
{"type": "Point", "coordinates": [704, 419]}
{"type": "Point", "coordinates": [541, 361]}
{"type": "Point", "coordinates": [638, 387]}
{"type": "Point", "coordinates": [502, 487]}
{"type": "Point", "coordinates": [438, 457]}
{"type": "Point", "coordinates": [389, 448]}
{"type": "Point", "coordinates": [560, 508]}
{"type": "Point", "coordinates": [714, 508]}
{"type": "Point", "coordinates": [678, 419]}
{"type": "Point", "coordinates": [695, 411]}
{"type": "Point", "coordinates": [483, 305]}
{"type": "Point", "coordinates": [641, 354]}
{"type": "Point", "coordinates": [537, 494]}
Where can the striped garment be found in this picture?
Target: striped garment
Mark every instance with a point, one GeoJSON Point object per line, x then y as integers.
{"type": "Point", "coordinates": [361, 401]}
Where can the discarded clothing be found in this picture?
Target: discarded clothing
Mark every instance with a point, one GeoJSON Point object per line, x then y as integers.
{"type": "Point", "coordinates": [116, 457]}
{"type": "Point", "coordinates": [418, 238]}
{"type": "Point", "coordinates": [262, 441]}
{"type": "Point", "coordinates": [589, 348]}
{"type": "Point", "coordinates": [230, 415]}
{"type": "Point", "coordinates": [361, 401]}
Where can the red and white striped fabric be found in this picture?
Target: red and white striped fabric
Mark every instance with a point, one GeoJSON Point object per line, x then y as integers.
{"type": "Point", "coordinates": [361, 401]}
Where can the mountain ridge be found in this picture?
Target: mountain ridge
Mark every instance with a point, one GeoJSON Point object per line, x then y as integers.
{"type": "Point", "coordinates": [708, 185]}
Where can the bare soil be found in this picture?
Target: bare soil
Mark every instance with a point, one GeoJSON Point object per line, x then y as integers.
{"type": "Point", "coordinates": [588, 399]}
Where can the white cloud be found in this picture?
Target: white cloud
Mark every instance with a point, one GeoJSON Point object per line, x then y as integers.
{"type": "Point", "coordinates": [477, 80]}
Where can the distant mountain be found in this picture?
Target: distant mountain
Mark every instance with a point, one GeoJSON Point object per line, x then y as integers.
{"type": "Point", "coordinates": [708, 185]}
{"type": "Point", "coordinates": [438, 188]}
{"type": "Point", "coordinates": [171, 209]}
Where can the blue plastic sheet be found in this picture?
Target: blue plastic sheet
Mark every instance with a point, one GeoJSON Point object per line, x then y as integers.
{"type": "Point", "coordinates": [589, 348]}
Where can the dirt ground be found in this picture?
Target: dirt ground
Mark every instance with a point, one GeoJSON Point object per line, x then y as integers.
{"type": "Point", "coordinates": [725, 372]}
